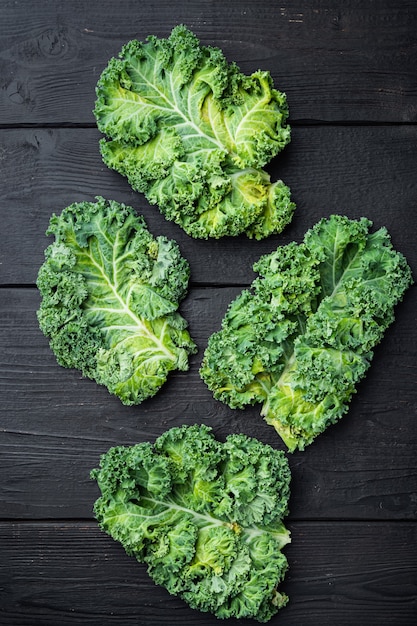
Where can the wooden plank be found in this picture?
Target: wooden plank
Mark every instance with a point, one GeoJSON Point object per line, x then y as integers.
{"type": "Point", "coordinates": [352, 170]}
{"type": "Point", "coordinates": [349, 73]}
{"type": "Point", "coordinates": [55, 425]}
{"type": "Point", "coordinates": [339, 573]}
{"type": "Point", "coordinates": [343, 62]}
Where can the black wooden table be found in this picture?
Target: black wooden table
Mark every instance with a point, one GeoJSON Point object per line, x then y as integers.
{"type": "Point", "coordinates": [349, 70]}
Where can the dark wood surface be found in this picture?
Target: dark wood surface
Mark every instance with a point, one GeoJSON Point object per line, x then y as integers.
{"type": "Point", "coordinates": [349, 72]}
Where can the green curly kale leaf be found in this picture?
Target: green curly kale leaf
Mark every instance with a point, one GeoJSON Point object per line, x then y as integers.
{"type": "Point", "coordinates": [110, 293]}
{"type": "Point", "coordinates": [301, 339]}
{"type": "Point", "coordinates": [193, 133]}
{"type": "Point", "coordinates": [204, 516]}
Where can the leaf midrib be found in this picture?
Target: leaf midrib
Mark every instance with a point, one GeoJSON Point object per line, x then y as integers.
{"type": "Point", "coordinates": [208, 520]}
{"type": "Point", "coordinates": [291, 358]}
{"type": "Point", "coordinates": [124, 308]}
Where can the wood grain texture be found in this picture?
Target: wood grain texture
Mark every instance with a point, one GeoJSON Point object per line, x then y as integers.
{"type": "Point", "coordinates": [55, 424]}
{"type": "Point", "coordinates": [338, 574]}
{"type": "Point", "coordinates": [336, 62]}
{"type": "Point", "coordinates": [349, 71]}
{"type": "Point", "coordinates": [356, 171]}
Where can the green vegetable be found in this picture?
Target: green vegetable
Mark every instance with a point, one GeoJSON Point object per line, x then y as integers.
{"type": "Point", "coordinates": [204, 516]}
{"type": "Point", "coordinates": [193, 133]}
{"type": "Point", "coordinates": [110, 293]}
{"type": "Point", "coordinates": [300, 340]}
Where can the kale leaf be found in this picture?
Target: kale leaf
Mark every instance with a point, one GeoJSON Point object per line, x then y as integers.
{"type": "Point", "coordinates": [193, 133]}
{"type": "Point", "coordinates": [206, 517]}
{"type": "Point", "coordinates": [110, 293]}
{"type": "Point", "coordinates": [302, 337]}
